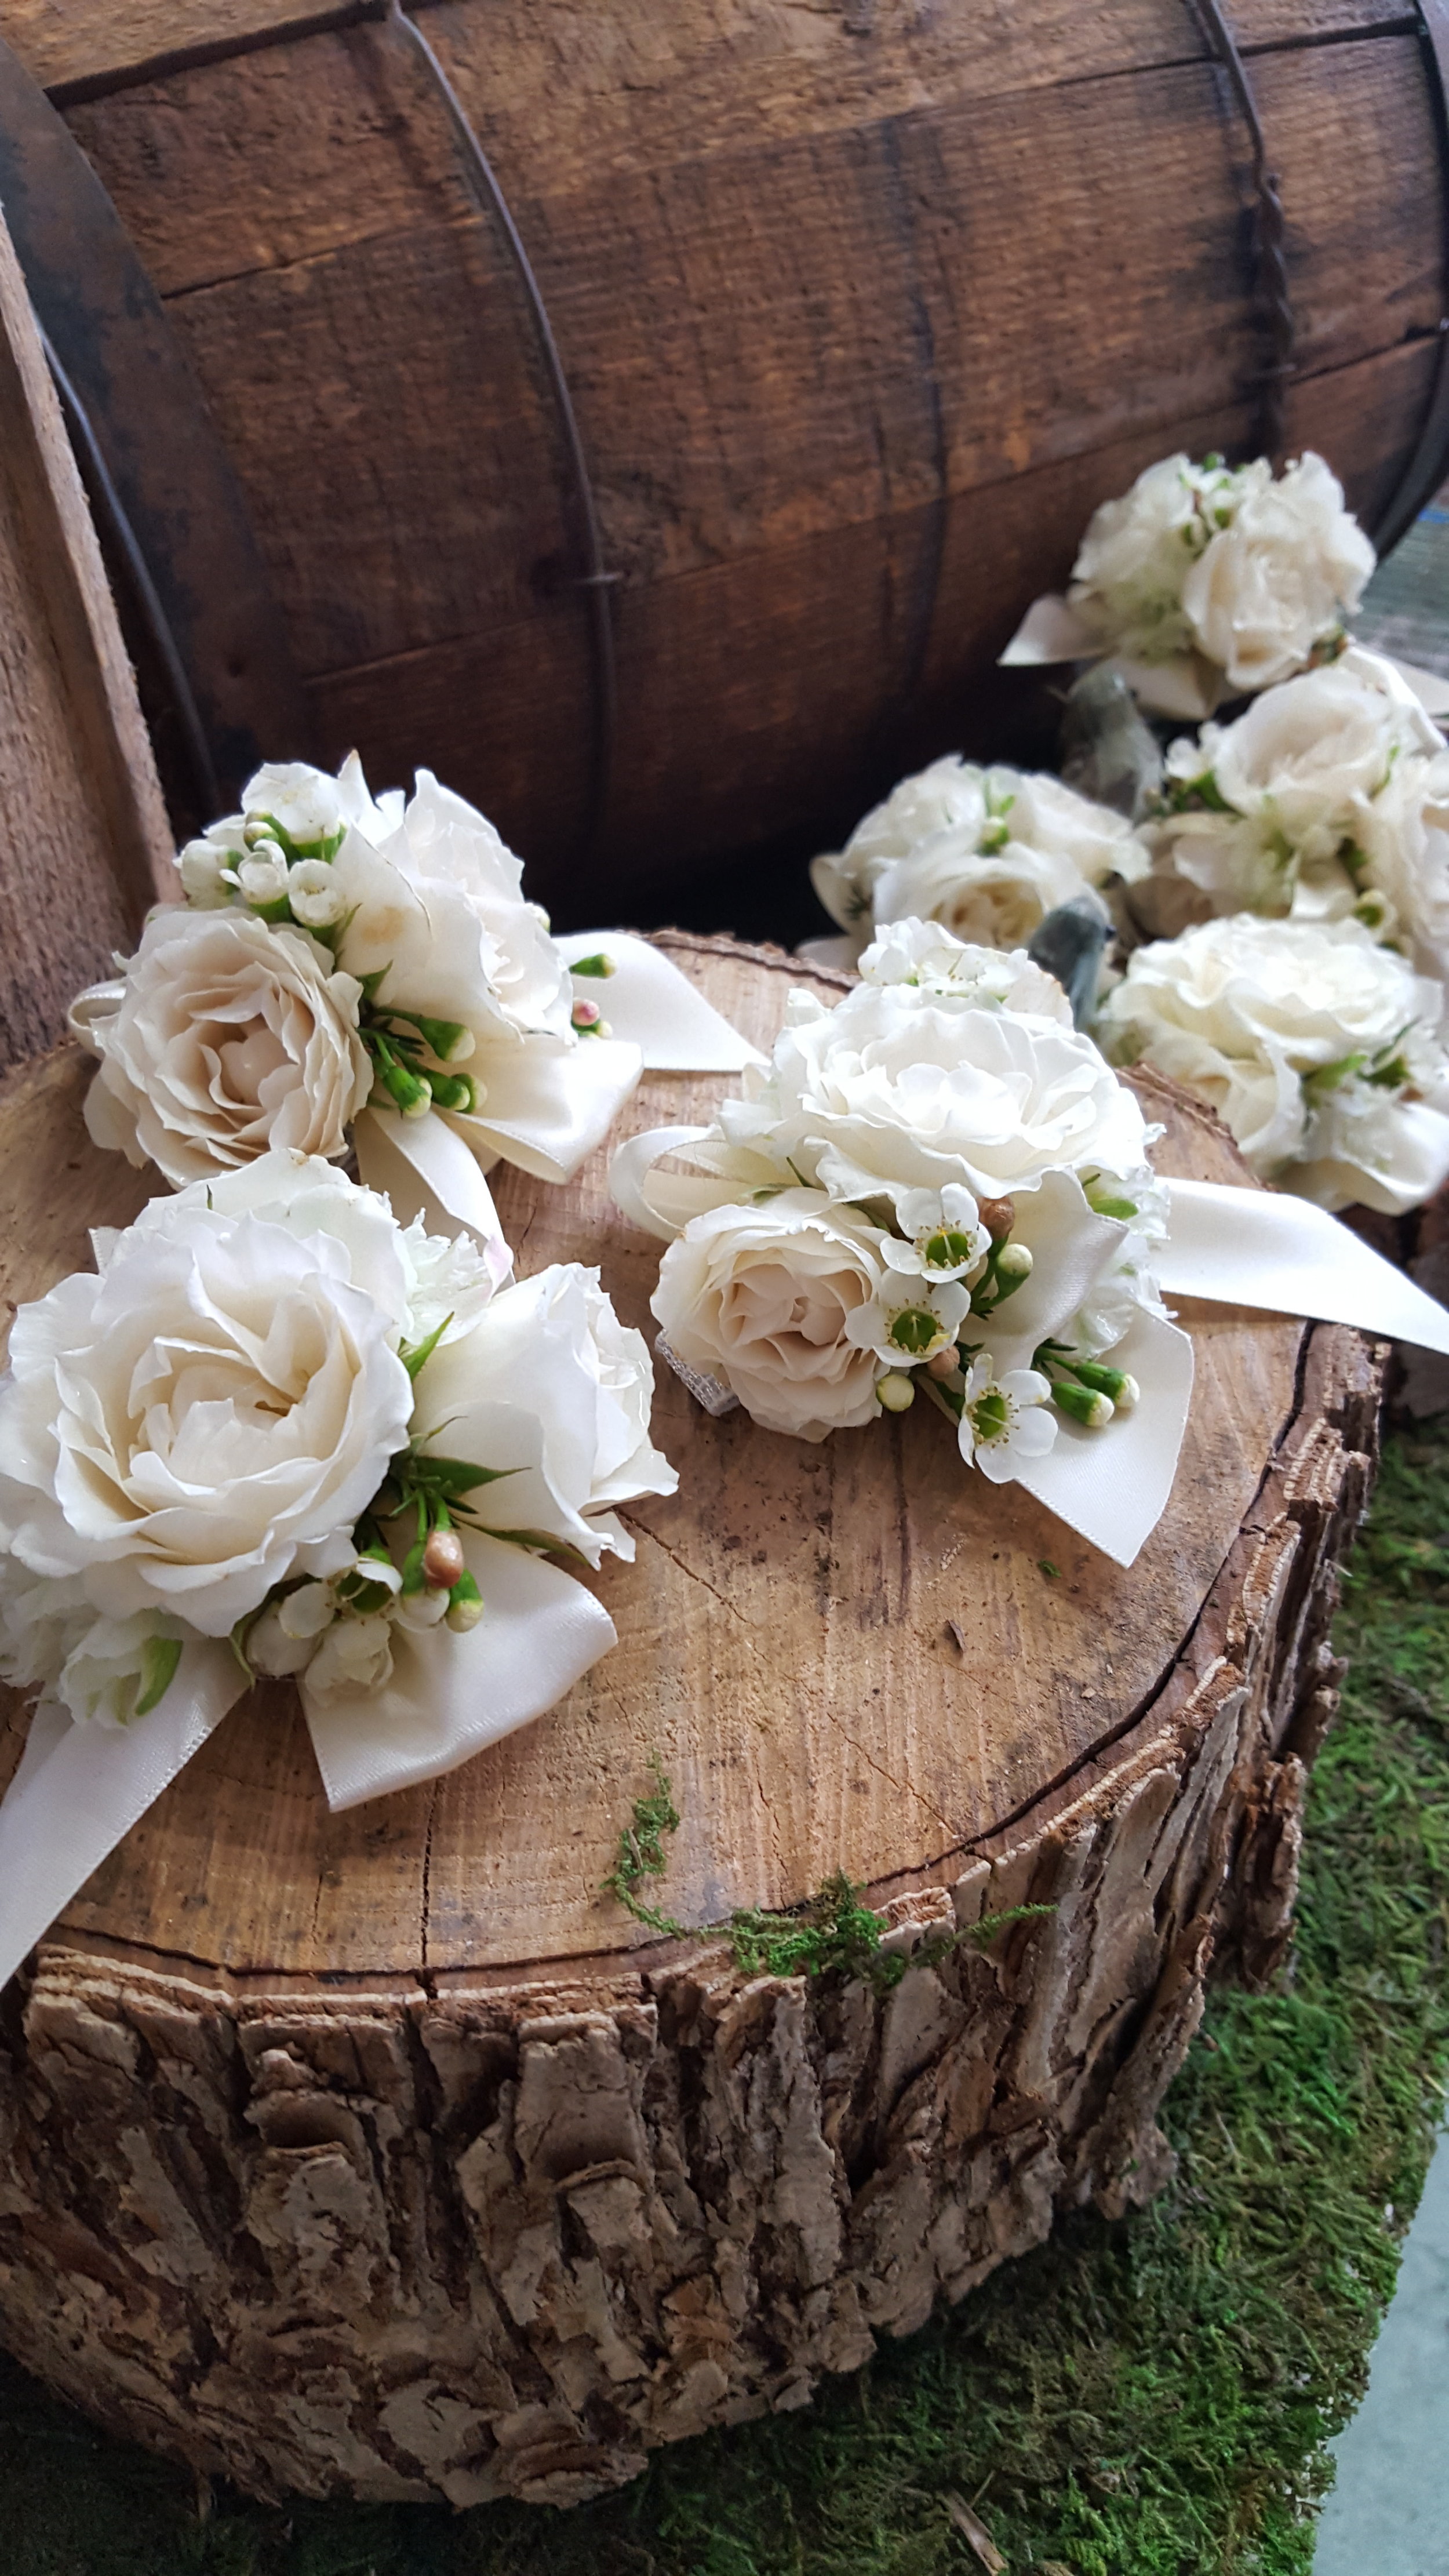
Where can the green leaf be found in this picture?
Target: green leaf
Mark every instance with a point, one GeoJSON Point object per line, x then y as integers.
{"type": "Point", "coordinates": [414, 1355]}
{"type": "Point", "coordinates": [159, 1659]}
{"type": "Point", "coordinates": [538, 1543]}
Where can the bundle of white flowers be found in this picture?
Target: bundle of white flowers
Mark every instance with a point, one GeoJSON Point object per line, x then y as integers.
{"type": "Point", "coordinates": [1206, 580]}
{"type": "Point", "coordinates": [277, 1432]}
{"type": "Point", "coordinates": [1328, 799]}
{"type": "Point", "coordinates": [1319, 1048]}
{"type": "Point", "coordinates": [349, 972]}
{"type": "Point", "coordinates": [986, 852]}
{"type": "Point", "coordinates": [938, 1186]}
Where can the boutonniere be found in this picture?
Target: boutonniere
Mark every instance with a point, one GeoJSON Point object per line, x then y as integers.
{"type": "Point", "coordinates": [350, 974]}
{"type": "Point", "coordinates": [277, 1432]}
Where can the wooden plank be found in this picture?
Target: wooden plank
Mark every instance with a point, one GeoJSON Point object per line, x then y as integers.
{"type": "Point", "coordinates": [803, 667]}
{"type": "Point", "coordinates": [745, 336]}
{"type": "Point", "coordinates": [763, 51]}
{"type": "Point", "coordinates": [79, 801]}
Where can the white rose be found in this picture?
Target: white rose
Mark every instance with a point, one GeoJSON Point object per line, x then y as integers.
{"type": "Point", "coordinates": [762, 1298]}
{"type": "Point", "coordinates": [1315, 800]}
{"type": "Point", "coordinates": [227, 1038]}
{"type": "Point", "coordinates": [986, 852]}
{"type": "Point", "coordinates": [923, 953]}
{"type": "Point", "coordinates": [995, 901]}
{"type": "Point", "coordinates": [437, 906]}
{"type": "Point", "coordinates": [1128, 577]}
{"type": "Point", "coordinates": [1312, 748]}
{"type": "Point", "coordinates": [1403, 839]}
{"type": "Point", "coordinates": [210, 1414]}
{"type": "Point", "coordinates": [550, 1386]}
{"type": "Point", "coordinates": [949, 795]}
{"type": "Point", "coordinates": [1277, 581]}
{"type": "Point", "coordinates": [903, 1088]}
{"type": "Point", "coordinates": [1281, 1026]}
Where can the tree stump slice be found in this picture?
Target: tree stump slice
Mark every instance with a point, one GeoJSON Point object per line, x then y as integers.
{"type": "Point", "coordinates": [381, 2155]}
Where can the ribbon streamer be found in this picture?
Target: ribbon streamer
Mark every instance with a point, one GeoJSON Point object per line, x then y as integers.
{"type": "Point", "coordinates": [1235, 1246]}
{"type": "Point", "coordinates": [78, 1788]}
{"type": "Point", "coordinates": [550, 1104]}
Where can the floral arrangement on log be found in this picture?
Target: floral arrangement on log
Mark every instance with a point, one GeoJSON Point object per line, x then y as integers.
{"type": "Point", "coordinates": [277, 1432]}
{"type": "Point", "coordinates": [1206, 581]}
{"type": "Point", "coordinates": [1296, 856]}
{"type": "Point", "coordinates": [937, 1187]}
{"type": "Point", "coordinates": [356, 975]}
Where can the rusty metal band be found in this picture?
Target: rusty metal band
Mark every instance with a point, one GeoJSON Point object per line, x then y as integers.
{"type": "Point", "coordinates": [1269, 228]}
{"type": "Point", "coordinates": [594, 579]}
{"type": "Point", "coordinates": [160, 483]}
{"type": "Point", "coordinates": [108, 507]}
{"type": "Point", "coordinates": [1429, 462]}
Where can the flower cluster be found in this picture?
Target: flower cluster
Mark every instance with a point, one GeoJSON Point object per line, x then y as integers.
{"type": "Point", "coordinates": [1319, 1048]}
{"type": "Point", "coordinates": [986, 852]}
{"type": "Point", "coordinates": [275, 1417]}
{"type": "Point", "coordinates": [936, 1186]}
{"type": "Point", "coordinates": [1253, 576]}
{"type": "Point", "coordinates": [1328, 799]}
{"type": "Point", "coordinates": [333, 955]}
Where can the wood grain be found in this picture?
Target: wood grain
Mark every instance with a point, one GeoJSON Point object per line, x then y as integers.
{"type": "Point", "coordinates": [826, 283]}
{"type": "Point", "coordinates": [381, 2156]}
{"type": "Point", "coordinates": [847, 1656]}
{"type": "Point", "coordinates": [79, 799]}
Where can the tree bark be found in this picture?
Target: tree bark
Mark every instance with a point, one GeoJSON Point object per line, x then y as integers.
{"type": "Point", "coordinates": [381, 2155]}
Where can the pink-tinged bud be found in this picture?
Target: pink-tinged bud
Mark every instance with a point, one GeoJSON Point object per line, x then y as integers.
{"type": "Point", "coordinates": [945, 1363]}
{"type": "Point", "coordinates": [998, 1216]}
{"type": "Point", "coordinates": [442, 1560]}
{"type": "Point", "coordinates": [585, 1014]}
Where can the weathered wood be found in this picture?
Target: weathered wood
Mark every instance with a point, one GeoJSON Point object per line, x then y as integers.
{"type": "Point", "coordinates": [381, 2154]}
{"type": "Point", "coordinates": [80, 805]}
{"type": "Point", "coordinates": [825, 283]}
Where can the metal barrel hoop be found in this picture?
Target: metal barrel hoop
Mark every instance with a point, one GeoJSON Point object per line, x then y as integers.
{"type": "Point", "coordinates": [594, 578]}
{"type": "Point", "coordinates": [1270, 229]}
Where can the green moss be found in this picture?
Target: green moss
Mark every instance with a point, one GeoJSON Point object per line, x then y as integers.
{"type": "Point", "coordinates": [1142, 2399]}
{"type": "Point", "coordinates": [833, 1935]}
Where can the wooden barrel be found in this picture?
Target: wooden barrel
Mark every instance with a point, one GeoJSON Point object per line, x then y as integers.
{"type": "Point", "coordinates": [861, 309]}
{"type": "Point", "coordinates": [85, 843]}
{"type": "Point", "coordinates": [384, 2154]}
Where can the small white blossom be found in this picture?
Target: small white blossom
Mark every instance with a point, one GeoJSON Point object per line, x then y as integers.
{"type": "Point", "coordinates": [207, 874]}
{"type": "Point", "coordinates": [1005, 1422]}
{"type": "Point", "coordinates": [262, 878]}
{"type": "Point", "coordinates": [314, 894]}
{"type": "Point", "coordinates": [908, 1320]}
{"type": "Point", "coordinates": [944, 1236]}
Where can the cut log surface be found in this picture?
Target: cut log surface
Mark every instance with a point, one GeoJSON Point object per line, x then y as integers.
{"type": "Point", "coordinates": [383, 2154]}
{"type": "Point", "coordinates": [862, 309]}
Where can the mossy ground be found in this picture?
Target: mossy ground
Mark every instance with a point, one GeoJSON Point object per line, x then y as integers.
{"type": "Point", "coordinates": [1143, 2399]}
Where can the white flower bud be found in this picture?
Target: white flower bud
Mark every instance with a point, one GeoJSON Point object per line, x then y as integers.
{"type": "Point", "coordinates": [1128, 1394]}
{"type": "Point", "coordinates": [263, 877]}
{"type": "Point", "coordinates": [314, 894]}
{"type": "Point", "coordinates": [463, 1616]}
{"type": "Point", "coordinates": [896, 1392]}
{"type": "Point", "coordinates": [443, 1558]}
{"type": "Point", "coordinates": [272, 1649]}
{"type": "Point", "coordinates": [419, 1610]}
{"type": "Point", "coordinates": [1014, 1261]}
{"type": "Point", "coordinates": [203, 875]}
{"type": "Point", "coordinates": [307, 1611]}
